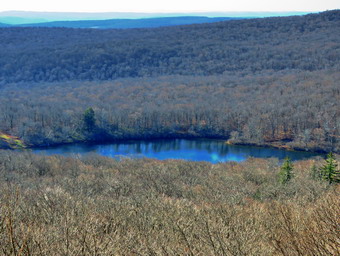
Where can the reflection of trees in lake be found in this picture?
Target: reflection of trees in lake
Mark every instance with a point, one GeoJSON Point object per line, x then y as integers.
{"type": "Point", "coordinates": [217, 149]}
{"type": "Point", "coordinates": [194, 149]}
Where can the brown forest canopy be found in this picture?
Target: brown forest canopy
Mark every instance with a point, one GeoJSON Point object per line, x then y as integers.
{"type": "Point", "coordinates": [268, 81]}
{"type": "Point", "coordinates": [301, 109]}
{"type": "Point", "coordinates": [99, 206]}
{"type": "Point", "coordinates": [262, 81]}
{"type": "Point", "coordinates": [308, 42]}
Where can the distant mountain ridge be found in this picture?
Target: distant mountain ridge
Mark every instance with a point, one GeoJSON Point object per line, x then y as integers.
{"type": "Point", "coordinates": [4, 25]}
{"type": "Point", "coordinates": [130, 23]}
{"type": "Point", "coordinates": [27, 17]}
{"type": "Point", "coordinates": [124, 20]}
{"type": "Point", "coordinates": [14, 20]}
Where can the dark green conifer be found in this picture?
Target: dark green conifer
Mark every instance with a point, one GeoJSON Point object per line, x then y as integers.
{"type": "Point", "coordinates": [89, 120]}
{"type": "Point", "coordinates": [286, 172]}
{"type": "Point", "coordinates": [315, 173]}
{"type": "Point", "coordinates": [329, 171]}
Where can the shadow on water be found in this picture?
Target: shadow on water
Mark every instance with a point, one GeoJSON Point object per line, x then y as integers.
{"type": "Point", "coordinates": [195, 150]}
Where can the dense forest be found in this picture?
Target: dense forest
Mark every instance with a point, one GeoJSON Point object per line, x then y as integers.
{"type": "Point", "coordinates": [306, 43]}
{"type": "Point", "coordinates": [268, 82]}
{"type": "Point", "coordinates": [100, 206]}
{"type": "Point", "coordinates": [272, 81]}
{"type": "Point", "coordinates": [301, 110]}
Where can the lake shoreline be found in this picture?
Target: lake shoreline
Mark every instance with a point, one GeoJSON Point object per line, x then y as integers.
{"type": "Point", "coordinates": [226, 140]}
{"type": "Point", "coordinates": [276, 145]}
{"type": "Point", "coordinates": [280, 145]}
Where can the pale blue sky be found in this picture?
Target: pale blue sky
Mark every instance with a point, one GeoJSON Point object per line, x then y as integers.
{"type": "Point", "coordinates": [169, 6]}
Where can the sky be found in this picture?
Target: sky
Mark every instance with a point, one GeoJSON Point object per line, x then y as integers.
{"type": "Point", "coordinates": [166, 6]}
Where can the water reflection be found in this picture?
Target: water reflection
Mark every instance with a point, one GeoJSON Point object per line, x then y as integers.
{"type": "Point", "coordinates": [196, 150]}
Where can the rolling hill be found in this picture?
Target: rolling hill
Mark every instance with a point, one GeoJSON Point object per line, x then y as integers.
{"type": "Point", "coordinates": [266, 82]}
{"type": "Point", "coordinates": [271, 81]}
{"type": "Point", "coordinates": [308, 42]}
{"type": "Point", "coordinates": [130, 23]}
{"type": "Point", "coordinates": [4, 25]}
{"type": "Point", "coordinates": [25, 17]}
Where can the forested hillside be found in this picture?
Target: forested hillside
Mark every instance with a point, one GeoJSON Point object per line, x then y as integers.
{"type": "Point", "coordinates": [272, 81]}
{"type": "Point", "coordinates": [268, 82]}
{"type": "Point", "coordinates": [300, 110]}
{"type": "Point", "coordinates": [308, 42]}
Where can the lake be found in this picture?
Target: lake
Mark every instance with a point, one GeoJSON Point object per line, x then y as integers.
{"type": "Point", "coordinates": [210, 150]}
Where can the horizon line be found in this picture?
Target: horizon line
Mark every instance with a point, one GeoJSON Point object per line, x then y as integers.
{"type": "Point", "coordinates": [167, 12]}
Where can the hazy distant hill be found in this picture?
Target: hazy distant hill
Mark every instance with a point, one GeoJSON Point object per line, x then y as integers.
{"type": "Point", "coordinates": [130, 23]}
{"type": "Point", "coordinates": [124, 19]}
{"type": "Point", "coordinates": [308, 42]}
{"type": "Point", "coordinates": [25, 17]}
{"type": "Point", "coordinates": [19, 20]}
{"type": "Point", "coordinates": [4, 25]}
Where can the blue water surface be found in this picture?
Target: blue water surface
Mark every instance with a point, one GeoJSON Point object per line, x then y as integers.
{"type": "Point", "coordinates": [213, 151]}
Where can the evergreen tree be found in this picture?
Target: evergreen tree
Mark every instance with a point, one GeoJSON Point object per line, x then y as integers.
{"type": "Point", "coordinates": [315, 173]}
{"type": "Point", "coordinates": [89, 120]}
{"type": "Point", "coordinates": [329, 170]}
{"type": "Point", "coordinates": [286, 172]}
